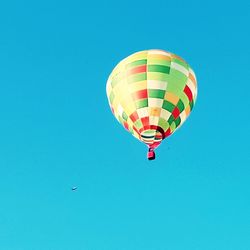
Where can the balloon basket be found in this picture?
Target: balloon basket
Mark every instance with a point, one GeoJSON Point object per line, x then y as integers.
{"type": "Point", "coordinates": [151, 155]}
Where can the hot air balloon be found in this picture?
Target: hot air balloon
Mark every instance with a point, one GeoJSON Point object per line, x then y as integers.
{"type": "Point", "coordinates": [151, 93]}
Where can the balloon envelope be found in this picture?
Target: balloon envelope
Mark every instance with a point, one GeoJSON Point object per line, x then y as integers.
{"type": "Point", "coordinates": [151, 93]}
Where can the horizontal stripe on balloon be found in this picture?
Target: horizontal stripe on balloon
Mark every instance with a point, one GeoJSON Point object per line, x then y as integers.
{"type": "Point", "coordinates": [141, 94]}
{"type": "Point", "coordinates": [159, 68]}
{"type": "Point", "coordinates": [136, 63]}
{"type": "Point", "coordinates": [139, 69]}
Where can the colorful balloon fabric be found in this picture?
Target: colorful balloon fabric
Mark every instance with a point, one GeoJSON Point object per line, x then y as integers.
{"type": "Point", "coordinates": [151, 93]}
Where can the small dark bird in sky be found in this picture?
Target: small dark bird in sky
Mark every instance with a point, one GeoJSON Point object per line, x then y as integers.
{"type": "Point", "coordinates": [73, 188]}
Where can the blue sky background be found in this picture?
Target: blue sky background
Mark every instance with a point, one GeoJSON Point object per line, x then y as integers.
{"type": "Point", "coordinates": [56, 129]}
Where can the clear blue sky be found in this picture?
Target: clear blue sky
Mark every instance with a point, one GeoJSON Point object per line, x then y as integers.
{"type": "Point", "coordinates": [56, 129]}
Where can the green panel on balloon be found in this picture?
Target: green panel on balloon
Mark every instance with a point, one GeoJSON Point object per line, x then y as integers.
{"type": "Point", "coordinates": [138, 124]}
{"type": "Point", "coordinates": [156, 93]}
{"type": "Point", "coordinates": [124, 116]}
{"type": "Point", "coordinates": [159, 68]}
{"type": "Point", "coordinates": [184, 99]}
{"type": "Point", "coordinates": [178, 75]}
{"type": "Point", "coordinates": [136, 63]}
{"type": "Point", "coordinates": [141, 103]}
{"type": "Point", "coordinates": [137, 78]}
{"type": "Point", "coordinates": [163, 124]}
{"type": "Point", "coordinates": [171, 119]}
{"type": "Point", "coordinates": [180, 106]}
{"type": "Point", "coordinates": [191, 104]}
{"type": "Point", "coordinates": [177, 121]}
{"type": "Point", "coordinates": [176, 86]}
{"type": "Point", "coordinates": [168, 106]}
{"type": "Point", "coordinates": [173, 126]}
